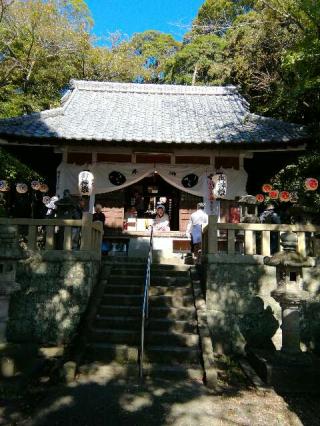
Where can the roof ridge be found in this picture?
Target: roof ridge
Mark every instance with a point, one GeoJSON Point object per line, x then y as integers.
{"type": "Point", "coordinates": [263, 118]}
{"type": "Point", "coordinates": [34, 115]}
{"type": "Point", "coordinates": [107, 86]}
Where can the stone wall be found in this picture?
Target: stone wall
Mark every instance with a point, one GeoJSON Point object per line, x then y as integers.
{"type": "Point", "coordinates": [55, 290]}
{"type": "Point", "coordinates": [240, 309]}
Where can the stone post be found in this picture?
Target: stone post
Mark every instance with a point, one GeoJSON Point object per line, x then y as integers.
{"type": "Point", "coordinates": [290, 327]}
{"type": "Point", "coordinates": [10, 252]}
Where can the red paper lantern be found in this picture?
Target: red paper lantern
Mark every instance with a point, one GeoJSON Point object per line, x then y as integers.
{"type": "Point", "coordinates": [274, 194]}
{"type": "Point", "coordinates": [311, 184]}
{"type": "Point", "coordinates": [266, 187]}
{"type": "Point", "coordinates": [260, 198]}
{"type": "Point", "coordinates": [284, 196]}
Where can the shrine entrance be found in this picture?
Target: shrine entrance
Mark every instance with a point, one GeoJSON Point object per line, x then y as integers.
{"type": "Point", "coordinates": [144, 197]}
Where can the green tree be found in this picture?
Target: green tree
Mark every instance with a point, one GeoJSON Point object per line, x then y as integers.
{"type": "Point", "coordinates": [274, 50]}
{"type": "Point", "coordinates": [40, 46]}
{"type": "Point", "coordinates": [293, 176]}
{"type": "Point", "coordinates": [202, 61]}
{"type": "Point", "coordinates": [148, 52]}
{"type": "Point", "coordinates": [217, 16]}
{"type": "Point", "coordinates": [13, 170]}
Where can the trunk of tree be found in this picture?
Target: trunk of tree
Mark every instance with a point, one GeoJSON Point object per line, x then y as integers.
{"type": "Point", "coordinates": [195, 74]}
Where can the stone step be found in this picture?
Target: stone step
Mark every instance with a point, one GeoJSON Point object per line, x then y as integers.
{"type": "Point", "coordinates": [168, 325]}
{"type": "Point", "coordinates": [171, 355]}
{"type": "Point", "coordinates": [117, 322]}
{"type": "Point", "coordinates": [165, 260]}
{"type": "Point", "coordinates": [172, 338]}
{"type": "Point", "coordinates": [120, 271]}
{"type": "Point", "coordinates": [135, 269]}
{"type": "Point", "coordinates": [140, 263]}
{"type": "Point", "coordinates": [166, 267]}
{"type": "Point", "coordinates": [122, 299]}
{"type": "Point", "coordinates": [105, 335]}
{"type": "Point", "coordinates": [168, 281]}
{"type": "Point", "coordinates": [170, 291]}
{"type": "Point", "coordinates": [159, 272]}
{"type": "Point", "coordinates": [110, 370]}
{"type": "Point", "coordinates": [123, 289]}
{"type": "Point", "coordinates": [119, 310]}
{"type": "Point", "coordinates": [108, 352]}
{"type": "Point", "coordinates": [178, 371]}
{"type": "Point", "coordinates": [167, 312]}
{"type": "Point", "coordinates": [114, 260]}
{"type": "Point", "coordinates": [125, 280]}
{"type": "Point", "coordinates": [164, 272]}
{"type": "Point", "coordinates": [118, 281]}
{"type": "Point", "coordinates": [140, 280]}
{"type": "Point", "coordinates": [172, 301]}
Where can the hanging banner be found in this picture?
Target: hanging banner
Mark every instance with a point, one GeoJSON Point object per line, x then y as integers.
{"type": "Point", "coordinates": [212, 206]}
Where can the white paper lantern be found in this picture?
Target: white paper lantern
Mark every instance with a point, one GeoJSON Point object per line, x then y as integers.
{"type": "Point", "coordinates": [4, 186]}
{"type": "Point", "coordinates": [46, 200]}
{"type": "Point", "coordinates": [35, 185]}
{"type": "Point", "coordinates": [220, 185]}
{"type": "Point", "coordinates": [85, 182]}
{"type": "Point", "coordinates": [21, 188]}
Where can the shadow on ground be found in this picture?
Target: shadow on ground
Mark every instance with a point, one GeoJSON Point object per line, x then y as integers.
{"type": "Point", "coordinates": [105, 398]}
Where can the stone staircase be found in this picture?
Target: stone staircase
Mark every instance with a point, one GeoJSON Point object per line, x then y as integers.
{"type": "Point", "coordinates": [115, 332]}
{"type": "Point", "coordinates": [171, 340]}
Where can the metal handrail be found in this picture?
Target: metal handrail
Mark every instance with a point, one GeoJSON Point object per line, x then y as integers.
{"type": "Point", "coordinates": [145, 304]}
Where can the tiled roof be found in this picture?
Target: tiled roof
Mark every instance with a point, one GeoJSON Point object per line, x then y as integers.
{"type": "Point", "coordinates": [102, 111]}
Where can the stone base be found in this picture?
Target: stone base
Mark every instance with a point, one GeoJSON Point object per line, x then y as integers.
{"type": "Point", "coordinates": [287, 374]}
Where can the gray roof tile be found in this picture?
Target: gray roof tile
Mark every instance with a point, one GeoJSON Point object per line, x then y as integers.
{"type": "Point", "coordinates": [159, 113]}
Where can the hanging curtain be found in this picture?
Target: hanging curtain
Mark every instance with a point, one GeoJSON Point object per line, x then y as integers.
{"type": "Point", "coordinates": [112, 177]}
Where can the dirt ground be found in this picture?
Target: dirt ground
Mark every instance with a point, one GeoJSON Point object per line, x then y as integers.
{"type": "Point", "coordinates": [104, 398]}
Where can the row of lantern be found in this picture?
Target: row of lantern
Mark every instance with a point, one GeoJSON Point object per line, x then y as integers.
{"type": "Point", "coordinates": [22, 188]}
{"type": "Point", "coordinates": [310, 184]}
{"type": "Point", "coordinates": [86, 180]}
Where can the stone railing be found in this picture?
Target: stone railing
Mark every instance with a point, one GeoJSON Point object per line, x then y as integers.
{"type": "Point", "coordinates": [256, 238]}
{"type": "Point", "coordinates": [59, 234]}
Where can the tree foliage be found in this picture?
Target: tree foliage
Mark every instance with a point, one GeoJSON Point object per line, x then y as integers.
{"type": "Point", "coordinates": [273, 50]}
{"type": "Point", "coordinates": [293, 176]}
{"type": "Point", "coordinates": [203, 61]}
{"type": "Point", "coordinates": [41, 44]}
{"type": "Point", "coordinates": [270, 48]}
{"type": "Point", "coordinates": [13, 170]}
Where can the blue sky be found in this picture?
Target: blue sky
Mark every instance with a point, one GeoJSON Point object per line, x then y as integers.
{"type": "Point", "coordinates": [131, 16]}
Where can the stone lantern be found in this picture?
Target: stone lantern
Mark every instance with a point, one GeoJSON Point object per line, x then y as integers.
{"type": "Point", "coordinates": [10, 253]}
{"type": "Point", "coordinates": [290, 369]}
{"type": "Point", "coordinates": [289, 292]}
{"type": "Point", "coordinates": [65, 206]}
{"type": "Point", "coordinates": [248, 209]}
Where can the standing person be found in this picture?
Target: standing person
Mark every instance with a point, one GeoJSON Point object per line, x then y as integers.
{"type": "Point", "coordinates": [270, 216]}
{"type": "Point", "coordinates": [161, 221]}
{"type": "Point", "coordinates": [77, 214]}
{"type": "Point", "coordinates": [194, 229]}
{"type": "Point", "coordinates": [99, 215]}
